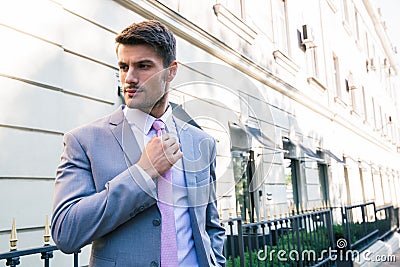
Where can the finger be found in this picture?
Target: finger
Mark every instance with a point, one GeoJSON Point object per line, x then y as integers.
{"type": "Point", "coordinates": [175, 148]}
{"type": "Point", "coordinates": [170, 142]}
{"type": "Point", "coordinates": [177, 156]}
{"type": "Point", "coordinates": [165, 136]}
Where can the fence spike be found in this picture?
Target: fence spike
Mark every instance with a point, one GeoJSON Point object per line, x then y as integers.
{"type": "Point", "coordinates": [239, 214]}
{"type": "Point", "coordinates": [274, 213]}
{"type": "Point", "coordinates": [46, 234]}
{"type": "Point", "coordinates": [13, 236]}
{"type": "Point", "coordinates": [303, 210]}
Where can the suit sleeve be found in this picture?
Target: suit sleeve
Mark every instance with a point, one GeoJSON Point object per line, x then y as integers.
{"type": "Point", "coordinates": [213, 227]}
{"type": "Point", "coordinates": [80, 213]}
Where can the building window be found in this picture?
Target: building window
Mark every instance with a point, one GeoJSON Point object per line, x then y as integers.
{"type": "Point", "coordinates": [237, 7]}
{"type": "Point", "coordinates": [346, 12]}
{"type": "Point", "coordinates": [354, 101]}
{"type": "Point", "coordinates": [357, 25]}
{"type": "Point", "coordinates": [243, 169]}
{"type": "Point", "coordinates": [380, 119]}
{"type": "Point", "coordinates": [281, 37]}
{"type": "Point", "coordinates": [352, 88]}
{"type": "Point", "coordinates": [374, 114]}
{"type": "Point", "coordinates": [314, 62]}
{"type": "Point", "coordinates": [292, 173]}
{"type": "Point", "coordinates": [233, 15]}
{"type": "Point", "coordinates": [323, 180]}
{"type": "Point", "coordinates": [336, 73]}
{"type": "Point", "coordinates": [364, 104]}
{"type": "Point", "coordinates": [377, 180]}
{"type": "Point", "coordinates": [292, 176]}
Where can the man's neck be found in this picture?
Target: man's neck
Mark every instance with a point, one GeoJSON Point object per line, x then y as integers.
{"type": "Point", "coordinates": [159, 109]}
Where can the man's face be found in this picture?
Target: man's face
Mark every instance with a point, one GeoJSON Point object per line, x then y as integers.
{"type": "Point", "coordinates": [144, 78]}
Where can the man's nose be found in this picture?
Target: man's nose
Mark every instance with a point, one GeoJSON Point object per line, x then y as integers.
{"type": "Point", "coordinates": [131, 76]}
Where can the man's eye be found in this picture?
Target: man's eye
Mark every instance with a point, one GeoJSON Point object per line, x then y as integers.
{"type": "Point", "coordinates": [144, 66]}
{"type": "Point", "coordinates": [123, 68]}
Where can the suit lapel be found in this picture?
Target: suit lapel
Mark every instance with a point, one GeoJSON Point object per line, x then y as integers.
{"type": "Point", "coordinates": [186, 141]}
{"type": "Point", "coordinates": [189, 167]}
{"type": "Point", "coordinates": [121, 130]}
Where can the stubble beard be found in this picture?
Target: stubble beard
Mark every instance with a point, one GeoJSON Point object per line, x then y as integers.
{"type": "Point", "coordinates": [155, 109]}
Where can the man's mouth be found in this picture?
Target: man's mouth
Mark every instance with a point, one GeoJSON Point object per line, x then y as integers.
{"type": "Point", "coordinates": [131, 91]}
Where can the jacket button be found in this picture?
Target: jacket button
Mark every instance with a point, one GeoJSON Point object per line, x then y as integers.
{"type": "Point", "coordinates": [156, 222]}
{"type": "Point", "coordinates": [154, 264]}
{"type": "Point", "coordinates": [141, 208]}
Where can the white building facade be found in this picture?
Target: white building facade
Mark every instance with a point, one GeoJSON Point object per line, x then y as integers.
{"type": "Point", "coordinates": [301, 96]}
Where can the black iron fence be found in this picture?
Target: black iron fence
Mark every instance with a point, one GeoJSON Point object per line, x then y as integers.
{"type": "Point", "coordinates": [309, 238]}
{"type": "Point", "coordinates": [13, 257]}
{"type": "Point", "coordinates": [359, 225]}
{"type": "Point", "coordinates": [386, 220]}
{"type": "Point", "coordinates": [396, 219]}
{"type": "Point", "coordinates": [364, 224]}
{"type": "Point", "coordinates": [305, 239]}
{"type": "Point", "coordinates": [297, 240]}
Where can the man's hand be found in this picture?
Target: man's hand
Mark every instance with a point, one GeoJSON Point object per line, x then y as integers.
{"type": "Point", "coordinates": [159, 155]}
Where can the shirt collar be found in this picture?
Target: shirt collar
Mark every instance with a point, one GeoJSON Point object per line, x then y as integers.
{"type": "Point", "coordinates": [144, 121]}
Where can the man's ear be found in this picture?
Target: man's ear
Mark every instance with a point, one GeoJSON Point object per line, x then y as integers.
{"type": "Point", "coordinates": [172, 69]}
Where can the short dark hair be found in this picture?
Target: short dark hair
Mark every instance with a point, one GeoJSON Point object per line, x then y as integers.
{"type": "Point", "coordinates": [153, 33]}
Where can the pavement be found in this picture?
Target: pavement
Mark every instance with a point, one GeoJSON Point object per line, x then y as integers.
{"type": "Point", "coordinates": [392, 263]}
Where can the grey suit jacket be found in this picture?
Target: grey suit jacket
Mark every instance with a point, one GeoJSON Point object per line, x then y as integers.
{"type": "Point", "coordinates": [100, 196]}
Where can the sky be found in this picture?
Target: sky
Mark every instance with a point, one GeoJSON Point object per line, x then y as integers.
{"type": "Point", "coordinates": [390, 12]}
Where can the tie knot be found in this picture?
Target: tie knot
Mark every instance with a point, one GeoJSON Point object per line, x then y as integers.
{"type": "Point", "coordinates": [159, 125]}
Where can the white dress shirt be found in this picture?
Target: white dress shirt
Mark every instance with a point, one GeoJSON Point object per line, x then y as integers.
{"type": "Point", "coordinates": [141, 125]}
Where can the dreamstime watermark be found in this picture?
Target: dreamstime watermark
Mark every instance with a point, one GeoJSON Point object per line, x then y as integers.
{"type": "Point", "coordinates": [339, 254]}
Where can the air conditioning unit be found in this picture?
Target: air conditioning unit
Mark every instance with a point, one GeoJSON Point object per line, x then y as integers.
{"type": "Point", "coordinates": [307, 37]}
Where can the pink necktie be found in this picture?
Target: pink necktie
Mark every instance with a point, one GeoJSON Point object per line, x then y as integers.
{"type": "Point", "coordinates": [169, 250]}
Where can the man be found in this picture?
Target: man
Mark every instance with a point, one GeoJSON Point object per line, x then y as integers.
{"type": "Point", "coordinates": [112, 187]}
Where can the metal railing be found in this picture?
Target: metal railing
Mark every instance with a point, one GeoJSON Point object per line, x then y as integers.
{"type": "Point", "coordinates": [359, 225]}
{"type": "Point", "coordinates": [13, 257]}
{"type": "Point", "coordinates": [296, 240]}
{"type": "Point", "coordinates": [386, 221]}
{"type": "Point", "coordinates": [300, 238]}
{"type": "Point", "coordinates": [46, 252]}
{"type": "Point", "coordinates": [396, 219]}
{"type": "Point", "coordinates": [363, 224]}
